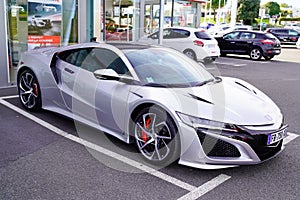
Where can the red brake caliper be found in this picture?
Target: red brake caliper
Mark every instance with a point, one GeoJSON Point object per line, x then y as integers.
{"type": "Point", "coordinates": [35, 89]}
{"type": "Point", "coordinates": [144, 135]}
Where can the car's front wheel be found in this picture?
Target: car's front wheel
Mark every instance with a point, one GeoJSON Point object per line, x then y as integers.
{"type": "Point", "coordinates": [256, 54]}
{"type": "Point", "coordinates": [156, 136]}
{"type": "Point", "coordinates": [29, 91]}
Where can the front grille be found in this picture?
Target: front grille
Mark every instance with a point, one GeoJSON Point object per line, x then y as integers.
{"type": "Point", "coordinates": [217, 148]}
{"type": "Point", "coordinates": [262, 150]}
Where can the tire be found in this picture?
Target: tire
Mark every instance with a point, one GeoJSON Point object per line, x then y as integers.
{"type": "Point", "coordinates": [256, 54]}
{"type": "Point", "coordinates": [268, 57]}
{"type": "Point", "coordinates": [29, 91]}
{"type": "Point", "coordinates": [156, 136]}
{"type": "Point", "coordinates": [223, 54]}
{"type": "Point", "coordinates": [190, 53]}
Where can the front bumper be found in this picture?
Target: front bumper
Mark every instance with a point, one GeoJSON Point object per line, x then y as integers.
{"type": "Point", "coordinates": [208, 150]}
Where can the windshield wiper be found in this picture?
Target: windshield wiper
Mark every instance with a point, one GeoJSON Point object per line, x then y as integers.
{"type": "Point", "coordinates": [205, 82]}
{"type": "Point", "coordinates": [216, 80]}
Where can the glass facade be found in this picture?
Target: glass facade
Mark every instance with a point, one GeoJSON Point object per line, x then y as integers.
{"type": "Point", "coordinates": [38, 23]}
{"type": "Point", "coordinates": [32, 24]}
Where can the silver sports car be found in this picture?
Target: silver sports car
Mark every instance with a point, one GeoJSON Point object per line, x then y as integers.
{"type": "Point", "coordinates": [159, 99]}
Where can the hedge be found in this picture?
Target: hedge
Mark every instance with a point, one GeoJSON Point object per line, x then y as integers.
{"type": "Point", "coordinates": [289, 19]}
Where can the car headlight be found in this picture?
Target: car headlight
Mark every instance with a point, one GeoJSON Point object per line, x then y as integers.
{"type": "Point", "coordinates": [206, 124]}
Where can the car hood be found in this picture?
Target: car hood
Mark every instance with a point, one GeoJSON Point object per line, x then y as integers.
{"type": "Point", "coordinates": [230, 101]}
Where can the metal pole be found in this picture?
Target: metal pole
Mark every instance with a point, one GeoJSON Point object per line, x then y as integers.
{"type": "Point", "coordinates": [4, 65]}
{"type": "Point", "coordinates": [205, 14]}
{"type": "Point", "coordinates": [161, 22]}
{"type": "Point", "coordinates": [225, 10]}
{"type": "Point", "coordinates": [198, 18]}
{"type": "Point", "coordinates": [209, 10]}
{"type": "Point", "coordinates": [218, 13]}
{"type": "Point", "coordinates": [233, 12]}
{"type": "Point", "coordinates": [172, 13]}
{"type": "Point", "coordinates": [104, 20]}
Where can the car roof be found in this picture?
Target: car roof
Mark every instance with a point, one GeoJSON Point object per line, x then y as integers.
{"type": "Point", "coordinates": [248, 31]}
{"type": "Point", "coordinates": [119, 45]}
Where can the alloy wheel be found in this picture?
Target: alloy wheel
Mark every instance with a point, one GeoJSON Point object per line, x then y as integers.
{"type": "Point", "coordinates": [255, 54]}
{"type": "Point", "coordinates": [29, 91]}
{"type": "Point", "coordinates": [153, 137]}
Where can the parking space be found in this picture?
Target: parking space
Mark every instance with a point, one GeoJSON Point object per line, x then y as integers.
{"type": "Point", "coordinates": [44, 157]}
{"type": "Point", "coordinates": [43, 130]}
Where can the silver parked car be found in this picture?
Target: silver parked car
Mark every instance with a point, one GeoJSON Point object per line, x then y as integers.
{"type": "Point", "coordinates": [159, 99]}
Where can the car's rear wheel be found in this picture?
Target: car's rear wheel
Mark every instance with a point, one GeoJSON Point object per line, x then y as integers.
{"type": "Point", "coordinates": [29, 91]}
{"type": "Point", "coordinates": [156, 137]}
{"type": "Point", "coordinates": [256, 54]}
{"type": "Point", "coordinates": [190, 53]}
{"type": "Point", "coordinates": [268, 57]}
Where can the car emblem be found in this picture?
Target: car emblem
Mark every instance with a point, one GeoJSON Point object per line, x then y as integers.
{"type": "Point", "coordinates": [268, 117]}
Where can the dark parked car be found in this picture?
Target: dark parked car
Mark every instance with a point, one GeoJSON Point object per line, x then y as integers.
{"type": "Point", "coordinates": [285, 35]}
{"type": "Point", "coordinates": [252, 43]}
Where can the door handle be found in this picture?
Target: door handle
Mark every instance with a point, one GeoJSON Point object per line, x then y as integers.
{"type": "Point", "coordinates": [69, 70]}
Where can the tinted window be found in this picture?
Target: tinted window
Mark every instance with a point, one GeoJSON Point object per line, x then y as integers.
{"type": "Point", "coordinates": [203, 35]}
{"type": "Point", "coordinates": [232, 36]}
{"type": "Point", "coordinates": [70, 56]}
{"type": "Point", "coordinates": [293, 32]}
{"type": "Point", "coordinates": [281, 31]}
{"type": "Point", "coordinates": [175, 33]}
{"type": "Point", "coordinates": [93, 59]}
{"type": "Point", "coordinates": [246, 35]}
{"type": "Point", "coordinates": [179, 33]}
{"type": "Point", "coordinates": [268, 35]}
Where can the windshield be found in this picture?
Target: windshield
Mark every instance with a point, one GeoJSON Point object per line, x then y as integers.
{"type": "Point", "coordinates": [166, 68]}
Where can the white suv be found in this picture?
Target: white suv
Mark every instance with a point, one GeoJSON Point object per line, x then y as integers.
{"type": "Point", "coordinates": [195, 43]}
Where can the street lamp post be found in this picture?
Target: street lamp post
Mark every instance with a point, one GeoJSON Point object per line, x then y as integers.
{"type": "Point", "coordinates": [234, 5]}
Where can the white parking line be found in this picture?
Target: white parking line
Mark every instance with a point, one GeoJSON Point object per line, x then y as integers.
{"type": "Point", "coordinates": [10, 97]}
{"type": "Point", "coordinates": [231, 64]}
{"type": "Point", "coordinates": [206, 187]}
{"type": "Point", "coordinates": [104, 151]}
{"type": "Point", "coordinates": [289, 138]}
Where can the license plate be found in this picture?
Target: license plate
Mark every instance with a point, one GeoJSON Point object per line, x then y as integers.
{"type": "Point", "coordinates": [275, 137]}
{"type": "Point", "coordinates": [211, 46]}
{"type": "Point", "coordinates": [277, 51]}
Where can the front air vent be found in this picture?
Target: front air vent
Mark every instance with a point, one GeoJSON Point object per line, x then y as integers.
{"type": "Point", "coordinates": [200, 99]}
{"type": "Point", "coordinates": [238, 83]}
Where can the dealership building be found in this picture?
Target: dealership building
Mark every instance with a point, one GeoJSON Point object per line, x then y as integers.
{"type": "Point", "coordinates": [30, 24]}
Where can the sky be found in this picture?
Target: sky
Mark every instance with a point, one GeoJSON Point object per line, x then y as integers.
{"type": "Point", "coordinates": [294, 3]}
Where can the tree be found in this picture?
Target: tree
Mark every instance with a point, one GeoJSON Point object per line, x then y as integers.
{"type": "Point", "coordinates": [273, 8]}
{"type": "Point", "coordinates": [248, 10]}
{"type": "Point", "coordinates": [284, 5]}
{"type": "Point", "coordinates": [215, 6]}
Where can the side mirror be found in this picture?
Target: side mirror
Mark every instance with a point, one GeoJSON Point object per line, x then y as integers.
{"type": "Point", "coordinates": [106, 74]}
{"type": "Point", "coordinates": [110, 74]}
